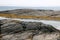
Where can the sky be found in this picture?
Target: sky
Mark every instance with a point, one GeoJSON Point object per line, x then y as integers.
{"type": "Point", "coordinates": [30, 3]}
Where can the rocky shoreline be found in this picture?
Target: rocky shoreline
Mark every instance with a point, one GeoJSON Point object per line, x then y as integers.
{"type": "Point", "coordinates": [20, 30]}
{"type": "Point", "coordinates": [31, 14]}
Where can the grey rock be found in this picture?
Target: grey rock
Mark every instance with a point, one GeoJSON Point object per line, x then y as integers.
{"type": "Point", "coordinates": [20, 30]}
{"type": "Point", "coordinates": [34, 12]}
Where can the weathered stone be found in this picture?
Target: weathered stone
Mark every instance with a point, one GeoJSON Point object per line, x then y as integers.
{"type": "Point", "coordinates": [20, 30]}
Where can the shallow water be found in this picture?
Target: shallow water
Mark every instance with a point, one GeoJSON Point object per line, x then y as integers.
{"type": "Point", "coordinates": [56, 24]}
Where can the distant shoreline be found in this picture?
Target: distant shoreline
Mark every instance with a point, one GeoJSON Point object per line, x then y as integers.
{"type": "Point", "coordinates": [29, 17]}
{"type": "Point", "coordinates": [31, 14]}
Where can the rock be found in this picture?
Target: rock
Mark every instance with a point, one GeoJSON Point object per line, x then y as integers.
{"type": "Point", "coordinates": [33, 12]}
{"type": "Point", "coordinates": [17, 36]}
{"type": "Point", "coordinates": [20, 30]}
{"type": "Point", "coordinates": [52, 36]}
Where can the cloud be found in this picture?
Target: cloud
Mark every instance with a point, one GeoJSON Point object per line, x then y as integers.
{"type": "Point", "coordinates": [32, 3]}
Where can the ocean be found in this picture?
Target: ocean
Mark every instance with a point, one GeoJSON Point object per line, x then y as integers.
{"type": "Point", "coordinates": [3, 8]}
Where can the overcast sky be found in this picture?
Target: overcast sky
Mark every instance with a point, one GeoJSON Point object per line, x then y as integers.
{"type": "Point", "coordinates": [30, 3]}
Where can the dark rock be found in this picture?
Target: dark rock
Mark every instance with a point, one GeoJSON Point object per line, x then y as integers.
{"type": "Point", "coordinates": [13, 26]}
{"type": "Point", "coordinates": [20, 30]}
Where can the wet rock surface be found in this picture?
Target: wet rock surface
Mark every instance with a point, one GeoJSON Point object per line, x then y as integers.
{"type": "Point", "coordinates": [20, 30]}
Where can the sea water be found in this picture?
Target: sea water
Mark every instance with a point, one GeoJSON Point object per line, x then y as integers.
{"type": "Point", "coordinates": [4, 8]}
